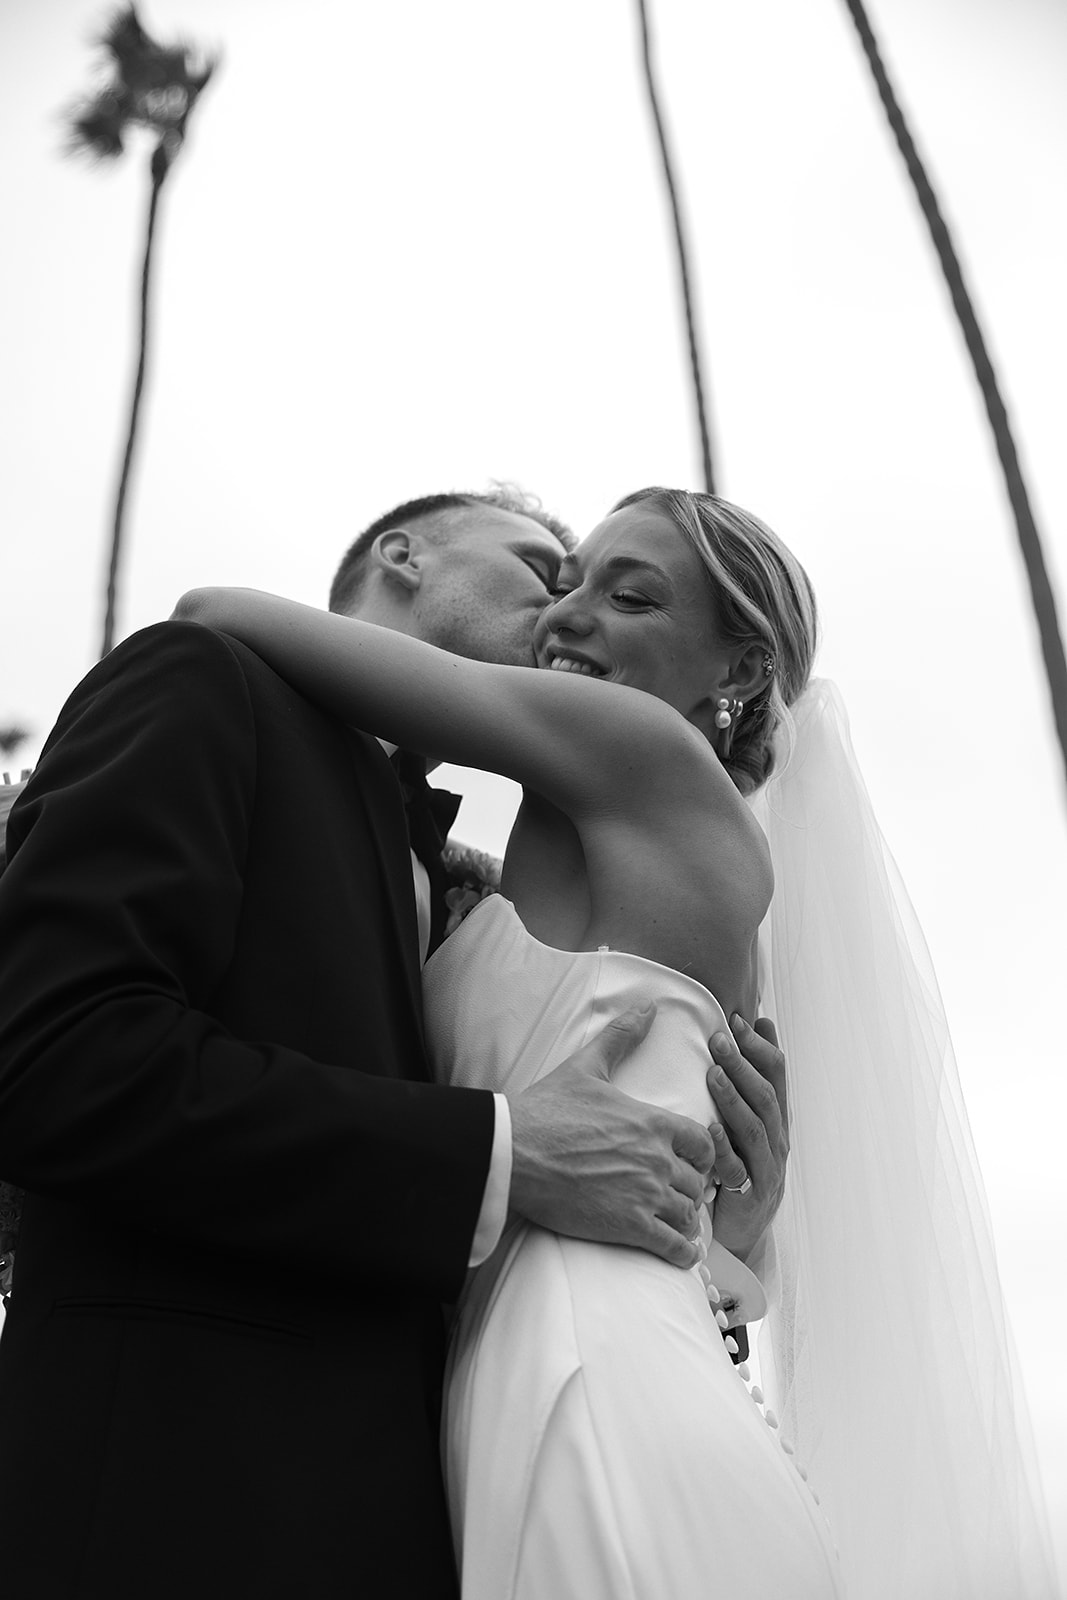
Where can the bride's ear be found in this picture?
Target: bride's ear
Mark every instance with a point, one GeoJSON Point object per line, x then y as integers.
{"type": "Point", "coordinates": [748, 675]}
{"type": "Point", "coordinates": [397, 556]}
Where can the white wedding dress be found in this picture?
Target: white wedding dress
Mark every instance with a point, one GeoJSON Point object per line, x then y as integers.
{"type": "Point", "coordinates": [598, 1442]}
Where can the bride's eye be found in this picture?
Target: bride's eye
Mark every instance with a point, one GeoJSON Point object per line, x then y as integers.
{"type": "Point", "coordinates": [629, 597]}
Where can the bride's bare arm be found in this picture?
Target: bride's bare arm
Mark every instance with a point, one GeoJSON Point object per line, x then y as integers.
{"type": "Point", "coordinates": [584, 745]}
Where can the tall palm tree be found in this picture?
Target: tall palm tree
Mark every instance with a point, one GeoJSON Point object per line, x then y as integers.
{"type": "Point", "coordinates": [151, 86]}
{"type": "Point", "coordinates": [681, 248]}
{"type": "Point", "coordinates": [1041, 593]}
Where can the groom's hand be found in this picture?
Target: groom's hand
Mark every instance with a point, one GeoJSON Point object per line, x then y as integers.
{"type": "Point", "coordinates": [590, 1161]}
{"type": "Point", "coordinates": [747, 1082]}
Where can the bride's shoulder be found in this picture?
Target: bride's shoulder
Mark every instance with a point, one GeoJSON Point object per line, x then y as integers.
{"type": "Point", "coordinates": [687, 831]}
{"type": "Point", "coordinates": [716, 839]}
{"type": "Point", "coordinates": [682, 760]}
{"type": "Point", "coordinates": [642, 744]}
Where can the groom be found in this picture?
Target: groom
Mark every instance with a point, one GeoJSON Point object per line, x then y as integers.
{"type": "Point", "coordinates": [220, 1369]}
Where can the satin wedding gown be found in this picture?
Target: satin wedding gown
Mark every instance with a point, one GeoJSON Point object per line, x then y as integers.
{"type": "Point", "coordinates": [598, 1442]}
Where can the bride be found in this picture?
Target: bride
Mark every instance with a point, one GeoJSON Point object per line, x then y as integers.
{"type": "Point", "coordinates": [598, 1440]}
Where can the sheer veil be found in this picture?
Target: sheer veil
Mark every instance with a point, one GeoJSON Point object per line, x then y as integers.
{"type": "Point", "coordinates": [886, 1354]}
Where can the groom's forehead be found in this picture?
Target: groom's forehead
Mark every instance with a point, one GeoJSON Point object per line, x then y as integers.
{"type": "Point", "coordinates": [491, 531]}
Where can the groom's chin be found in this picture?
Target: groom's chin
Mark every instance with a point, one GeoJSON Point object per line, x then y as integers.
{"type": "Point", "coordinates": [503, 650]}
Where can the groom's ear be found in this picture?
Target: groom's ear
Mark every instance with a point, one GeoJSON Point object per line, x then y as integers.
{"type": "Point", "coordinates": [397, 556]}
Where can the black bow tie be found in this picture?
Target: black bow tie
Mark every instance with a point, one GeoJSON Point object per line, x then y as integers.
{"type": "Point", "coordinates": [430, 812]}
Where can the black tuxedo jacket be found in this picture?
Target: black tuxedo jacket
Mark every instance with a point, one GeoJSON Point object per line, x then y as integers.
{"type": "Point", "coordinates": [220, 1370]}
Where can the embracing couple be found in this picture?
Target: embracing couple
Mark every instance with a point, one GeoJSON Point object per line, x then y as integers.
{"type": "Point", "coordinates": [267, 1121]}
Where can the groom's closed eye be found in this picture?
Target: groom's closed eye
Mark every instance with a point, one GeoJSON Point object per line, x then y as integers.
{"type": "Point", "coordinates": [544, 569]}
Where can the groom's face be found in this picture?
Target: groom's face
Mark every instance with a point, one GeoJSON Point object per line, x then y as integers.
{"type": "Point", "coordinates": [485, 584]}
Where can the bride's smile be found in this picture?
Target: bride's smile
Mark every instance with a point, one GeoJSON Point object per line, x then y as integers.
{"type": "Point", "coordinates": [571, 661]}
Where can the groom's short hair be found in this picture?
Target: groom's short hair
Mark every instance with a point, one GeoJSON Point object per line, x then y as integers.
{"type": "Point", "coordinates": [438, 513]}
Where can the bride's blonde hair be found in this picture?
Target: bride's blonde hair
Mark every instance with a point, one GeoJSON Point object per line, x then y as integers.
{"type": "Point", "coordinates": [762, 596]}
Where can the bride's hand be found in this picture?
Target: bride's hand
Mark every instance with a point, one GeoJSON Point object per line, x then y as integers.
{"type": "Point", "coordinates": [592, 1162]}
{"type": "Point", "coordinates": [749, 1090]}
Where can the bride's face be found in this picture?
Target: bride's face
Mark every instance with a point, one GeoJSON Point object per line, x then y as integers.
{"type": "Point", "coordinates": [634, 605]}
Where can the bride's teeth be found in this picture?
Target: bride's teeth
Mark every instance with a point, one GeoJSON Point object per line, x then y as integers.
{"type": "Point", "coordinates": [566, 664]}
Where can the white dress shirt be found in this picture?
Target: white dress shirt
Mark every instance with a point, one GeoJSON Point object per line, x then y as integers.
{"type": "Point", "coordinates": [493, 1214]}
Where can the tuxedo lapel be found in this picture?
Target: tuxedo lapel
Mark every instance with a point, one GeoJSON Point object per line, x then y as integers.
{"type": "Point", "coordinates": [381, 796]}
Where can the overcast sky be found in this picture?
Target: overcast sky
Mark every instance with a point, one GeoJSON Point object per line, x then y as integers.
{"type": "Point", "coordinates": [414, 246]}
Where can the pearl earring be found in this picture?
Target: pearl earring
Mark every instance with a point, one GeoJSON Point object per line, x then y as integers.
{"type": "Point", "coordinates": [728, 710]}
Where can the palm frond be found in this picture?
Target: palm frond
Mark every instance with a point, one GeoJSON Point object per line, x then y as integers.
{"type": "Point", "coordinates": [128, 44]}
{"type": "Point", "coordinates": [145, 66]}
{"type": "Point", "coordinates": [12, 734]}
{"type": "Point", "coordinates": [95, 127]}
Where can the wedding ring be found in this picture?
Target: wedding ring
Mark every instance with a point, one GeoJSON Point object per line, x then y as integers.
{"type": "Point", "coordinates": [742, 1188]}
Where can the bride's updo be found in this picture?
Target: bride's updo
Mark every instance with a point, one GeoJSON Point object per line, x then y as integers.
{"type": "Point", "coordinates": [762, 596]}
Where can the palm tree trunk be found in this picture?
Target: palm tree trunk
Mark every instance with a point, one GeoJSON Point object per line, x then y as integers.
{"type": "Point", "coordinates": [683, 251]}
{"type": "Point", "coordinates": [1029, 539]}
{"type": "Point", "coordinates": [159, 169]}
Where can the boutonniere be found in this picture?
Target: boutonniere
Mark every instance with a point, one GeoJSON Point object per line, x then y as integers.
{"type": "Point", "coordinates": [472, 874]}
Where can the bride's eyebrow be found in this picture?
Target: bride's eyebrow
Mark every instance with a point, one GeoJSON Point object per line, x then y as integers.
{"type": "Point", "coordinates": [637, 564]}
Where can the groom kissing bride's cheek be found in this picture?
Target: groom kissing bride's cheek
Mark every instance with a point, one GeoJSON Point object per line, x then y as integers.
{"type": "Point", "coordinates": [258, 1148]}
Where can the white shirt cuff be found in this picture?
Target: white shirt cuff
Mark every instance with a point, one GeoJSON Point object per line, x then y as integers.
{"type": "Point", "coordinates": [493, 1215]}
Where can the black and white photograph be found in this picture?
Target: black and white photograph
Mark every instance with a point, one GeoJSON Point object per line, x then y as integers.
{"type": "Point", "coordinates": [533, 800]}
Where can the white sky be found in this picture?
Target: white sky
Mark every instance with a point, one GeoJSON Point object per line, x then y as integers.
{"type": "Point", "coordinates": [415, 246]}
